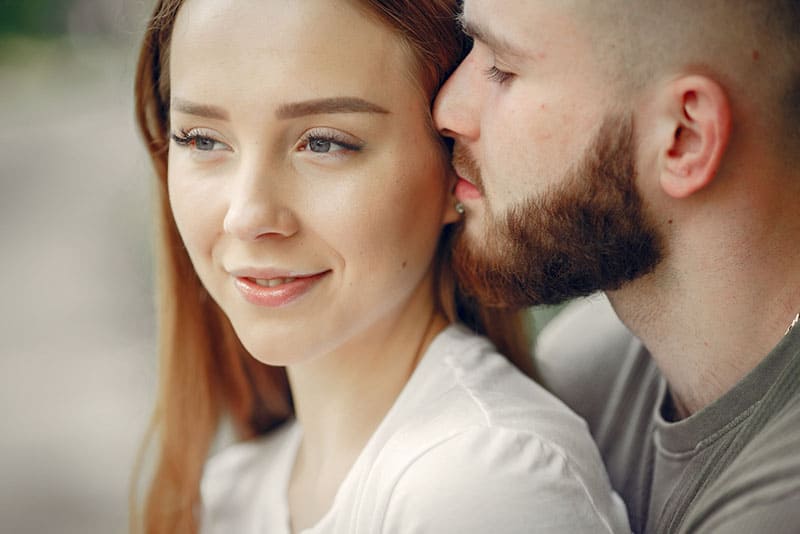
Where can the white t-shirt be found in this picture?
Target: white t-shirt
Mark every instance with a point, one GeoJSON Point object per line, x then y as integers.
{"type": "Point", "coordinates": [470, 446]}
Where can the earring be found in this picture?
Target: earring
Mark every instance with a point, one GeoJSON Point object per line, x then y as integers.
{"type": "Point", "coordinates": [460, 209]}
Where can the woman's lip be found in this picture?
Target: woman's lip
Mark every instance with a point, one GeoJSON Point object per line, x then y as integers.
{"type": "Point", "coordinates": [269, 273]}
{"type": "Point", "coordinates": [466, 190]}
{"type": "Point", "coordinates": [277, 296]}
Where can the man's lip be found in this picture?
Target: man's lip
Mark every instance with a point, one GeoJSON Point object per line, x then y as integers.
{"type": "Point", "coordinates": [460, 177]}
{"type": "Point", "coordinates": [466, 190]}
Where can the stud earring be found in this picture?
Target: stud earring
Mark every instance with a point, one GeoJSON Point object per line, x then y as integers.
{"type": "Point", "coordinates": [460, 209]}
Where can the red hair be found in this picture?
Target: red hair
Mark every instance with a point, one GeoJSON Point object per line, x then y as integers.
{"type": "Point", "coordinates": [205, 372]}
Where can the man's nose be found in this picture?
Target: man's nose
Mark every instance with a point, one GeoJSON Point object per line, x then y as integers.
{"type": "Point", "coordinates": [457, 109]}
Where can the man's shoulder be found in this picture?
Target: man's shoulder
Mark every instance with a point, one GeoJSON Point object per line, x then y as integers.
{"type": "Point", "coordinates": [585, 331]}
{"type": "Point", "coordinates": [581, 353]}
{"type": "Point", "coordinates": [761, 486]}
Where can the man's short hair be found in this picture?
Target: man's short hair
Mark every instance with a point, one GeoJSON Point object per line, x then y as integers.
{"type": "Point", "coordinates": [750, 47]}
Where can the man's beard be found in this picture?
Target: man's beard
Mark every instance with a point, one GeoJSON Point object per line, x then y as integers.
{"type": "Point", "coordinates": [587, 233]}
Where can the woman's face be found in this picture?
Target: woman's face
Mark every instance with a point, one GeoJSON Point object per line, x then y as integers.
{"type": "Point", "coordinates": [303, 179]}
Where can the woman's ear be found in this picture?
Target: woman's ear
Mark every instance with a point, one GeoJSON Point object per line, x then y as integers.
{"type": "Point", "coordinates": [700, 124]}
{"type": "Point", "coordinates": [451, 213]}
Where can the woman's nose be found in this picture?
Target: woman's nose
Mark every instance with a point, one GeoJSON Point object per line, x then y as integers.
{"type": "Point", "coordinates": [259, 206]}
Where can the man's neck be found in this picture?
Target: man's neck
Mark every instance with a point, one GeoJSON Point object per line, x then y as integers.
{"type": "Point", "coordinates": [707, 328]}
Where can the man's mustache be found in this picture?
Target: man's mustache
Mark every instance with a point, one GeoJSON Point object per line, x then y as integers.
{"type": "Point", "coordinates": [466, 167]}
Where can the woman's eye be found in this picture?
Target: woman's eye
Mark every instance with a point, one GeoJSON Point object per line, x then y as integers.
{"type": "Point", "coordinates": [323, 146]}
{"type": "Point", "coordinates": [198, 141]}
{"type": "Point", "coordinates": [329, 142]}
{"type": "Point", "coordinates": [204, 143]}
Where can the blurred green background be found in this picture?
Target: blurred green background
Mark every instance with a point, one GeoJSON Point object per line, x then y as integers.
{"type": "Point", "coordinates": [77, 365]}
{"type": "Point", "coordinates": [34, 17]}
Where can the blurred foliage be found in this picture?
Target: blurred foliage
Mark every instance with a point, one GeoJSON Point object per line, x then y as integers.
{"type": "Point", "coordinates": [541, 315]}
{"type": "Point", "coordinates": [38, 18]}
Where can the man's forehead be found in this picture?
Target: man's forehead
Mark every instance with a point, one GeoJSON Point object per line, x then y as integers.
{"type": "Point", "coordinates": [518, 27]}
{"type": "Point", "coordinates": [485, 32]}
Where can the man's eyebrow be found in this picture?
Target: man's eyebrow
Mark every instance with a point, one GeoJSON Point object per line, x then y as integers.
{"type": "Point", "coordinates": [489, 38]}
{"type": "Point", "coordinates": [322, 106]}
{"type": "Point", "coordinates": [201, 110]}
{"type": "Point", "coordinates": [292, 110]}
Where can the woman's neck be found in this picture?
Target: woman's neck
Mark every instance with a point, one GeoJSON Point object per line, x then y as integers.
{"type": "Point", "coordinates": [341, 398]}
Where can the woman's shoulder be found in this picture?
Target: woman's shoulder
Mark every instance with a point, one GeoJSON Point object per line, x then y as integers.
{"type": "Point", "coordinates": [469, 384]}
{"type": "Point", "coordinates": [503, 480]}
{"type": "Point", "coordinates": [485, 448]}
{"type": "Point", "coordinates": [242, 474]}
{"type": "Point", "coordinates": [244, 456]}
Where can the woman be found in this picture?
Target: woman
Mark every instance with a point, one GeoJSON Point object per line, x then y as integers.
{"type": "Point", "coordinates": [305, 206]}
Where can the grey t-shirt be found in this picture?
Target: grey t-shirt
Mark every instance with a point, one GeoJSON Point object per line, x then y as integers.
{"type": "Point", "coordinates": [732, 467]}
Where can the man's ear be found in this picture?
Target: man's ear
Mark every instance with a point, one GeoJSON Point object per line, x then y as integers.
{"type": "Point", "coordinates": [699, 115]}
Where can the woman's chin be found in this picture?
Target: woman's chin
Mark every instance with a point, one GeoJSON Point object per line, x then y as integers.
{"type": "Point", "coordinates": [282, 351]}
{"type": "Point", "coordinates": [271, 354]}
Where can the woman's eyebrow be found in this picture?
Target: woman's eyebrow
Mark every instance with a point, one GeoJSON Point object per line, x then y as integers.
{"type": "Point", "coordinates": [292, 110]}
{"type": "Point", "coordinates": [200, 110]}
{"type": "Point", "coordinates": [321, 106]}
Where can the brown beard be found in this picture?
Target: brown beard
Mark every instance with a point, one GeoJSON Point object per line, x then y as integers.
{"type": "Point", "coordinates": [587, 234]}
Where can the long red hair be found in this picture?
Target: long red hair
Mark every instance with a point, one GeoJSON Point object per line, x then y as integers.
{"type": "Point", "coordinates": [205, 372]}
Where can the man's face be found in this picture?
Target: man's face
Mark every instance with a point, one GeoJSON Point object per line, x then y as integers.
{"type": "Point", "coordinates": [546, 168]}
{"type": "Point", "coordinates": [586, 233]}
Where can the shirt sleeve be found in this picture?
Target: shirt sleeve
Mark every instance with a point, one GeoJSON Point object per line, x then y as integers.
{"type": "Point", "coordinates": [500, 481]}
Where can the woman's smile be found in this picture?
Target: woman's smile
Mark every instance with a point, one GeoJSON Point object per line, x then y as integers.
{"type": "Point", "coordinates": [310, 158]}
{"type": "Point", "coordinates": [277, 291]}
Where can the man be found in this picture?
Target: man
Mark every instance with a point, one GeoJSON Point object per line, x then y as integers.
{"type": "Point", "coordinates": [649, 149]}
